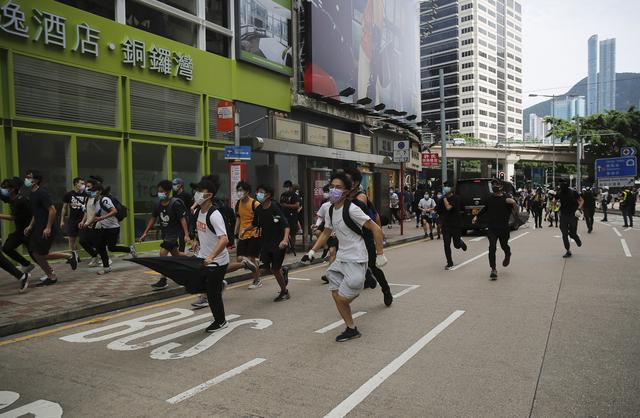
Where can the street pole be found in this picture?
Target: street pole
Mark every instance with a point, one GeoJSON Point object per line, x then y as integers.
{"type": "Point", "coordinates": [497, 166]}
{"type": "Point", "coordinates": [553, 138]}
{"type": "Point", "coordinates": [402, 212]}
{"type": "Point", "coordinates": [578, 156]}
{"type": "Point", "coordinates": [236, 127]}
{"type": "Point", "coordinates": [443, 135]}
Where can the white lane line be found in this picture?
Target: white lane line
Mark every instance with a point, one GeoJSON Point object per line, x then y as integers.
{"type": "Point", "coordinates": [625, 247]}
{"type": "Point", "coordinates": [477, 239]}
{"type": "Point", "coordinates": [218, 379]}
{"type": "Point", "coordinates": [338, 323]}
{"type": "Point", "coordinates": [405, 291]}
{"type": "Point", "coordinates": [401, 284]}
{"type": "Point", "coordinates": [471, 260]}
{"type": "Point", "coordinates": [370, 385]}
{"type": "Point", "coordinates": [300, 279]}
{"type": "Point", "coordinates": [617, 232]}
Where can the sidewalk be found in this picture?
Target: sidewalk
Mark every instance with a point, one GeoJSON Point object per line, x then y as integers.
{"type": "Point", "coordinates": [83, 293]}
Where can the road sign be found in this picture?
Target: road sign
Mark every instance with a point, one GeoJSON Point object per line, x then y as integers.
{"type": "Point", "coordinates": [616, 182]}
{"type": "Point", "coordinates": [232, 152]}
{"type": "Point", "coordinates": [401, 152]}
{"type": "Point", "coordinates": [628, 152]}
{"type": "Point", "coordinates": [430, 159]}
{"type": "Point", "coordinates": [616, 167]}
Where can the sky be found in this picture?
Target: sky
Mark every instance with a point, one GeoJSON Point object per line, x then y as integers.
{"type": "Point", "coordinates": [555, 34]}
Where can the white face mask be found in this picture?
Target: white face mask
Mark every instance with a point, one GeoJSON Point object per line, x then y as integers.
{"type": "Point", "coordinates": [199, 198]}
{"type": "Point", "coordinates": [240, 194]}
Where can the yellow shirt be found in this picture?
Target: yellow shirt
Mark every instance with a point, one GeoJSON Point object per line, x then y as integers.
{"type": "Point", "coordinates": [245, 217]}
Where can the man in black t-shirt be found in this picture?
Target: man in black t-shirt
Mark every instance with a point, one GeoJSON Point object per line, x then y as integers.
{"type": "Point", "coordinates": [187, 200]}
{"type": "Point", "coordinates": [570, 202]}
{"type": "Point", "coordinates": [74, 200]}
{"type": "Point", "coordinates": [451, 223]}
{"type": "Point", "coordinates": [589, 207]}
{"type": "Point", "coordinates": [21, 216]}
{"type": "Point", "coordinates": [274, 232]}
{"type": "Point", "coordinates": [498, 208]}
{"type": "Point", "coordinates": [291, 203]}
{"type": "Point", "coordinates": [171, 214]}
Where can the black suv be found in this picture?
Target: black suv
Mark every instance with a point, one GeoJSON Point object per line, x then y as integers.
{"type": "Point", "coordinates": [473, 196]}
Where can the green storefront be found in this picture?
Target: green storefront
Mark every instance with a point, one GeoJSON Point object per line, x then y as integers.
{"type": "Point", "coordinates": [85, 95]}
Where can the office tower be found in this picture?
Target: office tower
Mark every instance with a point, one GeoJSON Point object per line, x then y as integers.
{"type": "Point", "coordinates": [607, 76]}
{"type": "Point", "coordinates": [592, 78]}
{"type": "Point", "coordinates": [569, 107]}
{"type": "Point", "coordinates": [478, 44]}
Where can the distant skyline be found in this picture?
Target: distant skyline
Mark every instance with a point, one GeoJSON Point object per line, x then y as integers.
{"type": "Point", "coordinates": [555, 36]}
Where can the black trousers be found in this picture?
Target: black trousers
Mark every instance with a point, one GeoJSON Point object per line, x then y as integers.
{"type": "Point", "coordinates": [627, 215]}
{"type": "Point", "coordinates": [89, 241]}
{"type": "Point", "coordinates": [588, 218]}
{"type": "Point", "coordinates": [569, 228]}
{"type": "Point", "coordinates": [451, 234]}
{"type": "Point", "coordinates": [15, 240]}
{"type": "Point", "coordinates": [494, 236]}
{"type": "Point", "coordinates": [108, 240]}
{"type": "Point", "coordinates": [377, 273]}
{"type": "Point", "coordinates": [537, 216]}
{"type": "Point", "coordinates": [215, 276]}
{"type": "Point", "coordinates": [605, 207]}
{"type": "Point", "coordinates": [8, 266]}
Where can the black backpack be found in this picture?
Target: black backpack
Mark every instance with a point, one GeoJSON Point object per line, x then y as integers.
{"type": "Point", "coordinates": [369, 209]}
{"type": "Point", "coordinates": [122, 210]}
{"type": "Point", "coordinates": [227, 215]}
{"type": "Point", "coordinates": [347, 218]}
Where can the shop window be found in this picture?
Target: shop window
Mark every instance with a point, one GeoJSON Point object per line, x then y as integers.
{"type": "Point", "coordinates": [159, 23]}
{"type": "Point", "coordinates": [48, 154]}
{"type": "Point", "coordinates": [220, 167]}
{"type": "Point", "coordinates": [186, 164]}
{"type": "Point", "coordinates": [102, 158]}
{"type": "Point", "coordinates": [188, 6]}
{"type": "Point", "coordinates": [104, 8]}
{"type": "Point", "coordinates": [149, 168]}
{"type": "Point", "coordinates": [218, 43]}
{"type": "Point", "coordinates": [217, 11]}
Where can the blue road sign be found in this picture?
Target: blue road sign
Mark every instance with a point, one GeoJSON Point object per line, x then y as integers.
{"type": "Point", "coordinates": [616, 167]}
{"type": "Point", "coordinates": [232, 152]}
{"type": "Point", "coordinates": [627, 152]}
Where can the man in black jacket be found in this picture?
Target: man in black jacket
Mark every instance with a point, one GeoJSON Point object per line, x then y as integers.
{"type": "Point", "coordinates": [450, 209]}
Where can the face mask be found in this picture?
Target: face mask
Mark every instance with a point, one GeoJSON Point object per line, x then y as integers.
{"type": "Point", "coordinates": [446, 189]}
{"type": "Point", "coordinates": [335, 194]}
{"type": "Point", "coordinates": [4, 192]}
{"type": "Point", "coordinates": [175, 187]}
{"type": "Point", "coordinates": [240, 194]}
{"type": "Point", "coordinates": [426, 196]}
{"type": "Point", "coordinates": [325, 195]}
{"type": "Point", "coordinates": [260, 196]}
{"type": "Point", "coordinates": [199, 198]}
{"type": "Point", "coordinates": [162, 195]}
{"type": "Point", "coordinates": [92, 194]}
{"type": "Point", "coordinates": [439, 195]}
{"type": "Point", "coordinates": [28, 182]}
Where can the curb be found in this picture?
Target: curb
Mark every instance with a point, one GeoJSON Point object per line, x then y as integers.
{"type": "Point", "coordinates": [151, 296]}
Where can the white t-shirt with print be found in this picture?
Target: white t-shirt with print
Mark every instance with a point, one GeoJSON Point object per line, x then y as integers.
{"type": "Point", "coordinates": [209, 240]}
{"type": "Point", "coordinates": [427, 203]}
{"type": "Point", "coordinates": [323, 213]}
{"type": "Point", "coordinates": [102, 207]}
{"type": "Point", "coordinates": [352, 247]}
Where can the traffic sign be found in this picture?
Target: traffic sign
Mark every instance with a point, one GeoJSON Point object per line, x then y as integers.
{"type": "Point", "coordinates": [627, 152]}
{"type": "Point", "coordinates": [616, 182]}
{"type": "Point", "coordinates": [616, 167]}
{"type": "Point", "coordinates": [430, 159]}
{"type": "Point", "coordinates": [232, 152]}
{"type": "Point", "coordinates": [401, 151]}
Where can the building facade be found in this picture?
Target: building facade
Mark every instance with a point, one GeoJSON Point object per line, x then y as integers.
{"type": "Point", "coordinates": [538, 128]}
{"type": "Point", "coordinates": [479, 44]}
{"type": "Point", "coordinates": [569, 107]}
{"type": "Point", "coordinates": [607, 76]}
{"type": "Point", "coordinates": [592, 76]}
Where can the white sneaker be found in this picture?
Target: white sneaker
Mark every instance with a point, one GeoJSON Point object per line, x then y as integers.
{"type": "Point", "coordinates": [132, 251]}
{"type": "Point", "coordinates": [201, 302]}
{"type": "Point", "coordinates": [105, 271]}
{"type": "Point", "coordinates": [110, 262]}
{"type": "Point", "coordinates": [255, 285]}
{"type": "Point", "coordinates": [93, 262]}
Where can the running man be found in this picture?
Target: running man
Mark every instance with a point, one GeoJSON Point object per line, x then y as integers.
{"type": "Point", "coordinates": [570, 202]}
{"type": "Point", "coordinates": [347, 274]}
{"type": "Point", "coordinates": [20, 214]}
{"type": "Point", "coordinates": [22, 277]}
{"type": "Point", "coordinates": [450, 210]}
{"type": "Point", "coordinates": [173, 224]}
{"type": "Point", "coordinates": [427, 207]}
{"type": "Point", "coordinates": [589, 207]}
{"type": "Point", "coordinates": [273, 225]}
{"type": "Point", "coordinates": [74, 201]}
{"type": "Point", "coordinates": [290, 203]}
{"type": "Point", "coordinates": [248, 243]}
{"type": "Point", "coordinates": [43, 229]}
{"type": "Point", "coordinates": [498, 208]}
{"type": "Point", "coordinates": [88, 233]}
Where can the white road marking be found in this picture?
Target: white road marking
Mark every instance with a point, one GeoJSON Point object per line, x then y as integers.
{"type": "Point", "coordinates": [400, 284]}
{"type": "Point", "coordinates": [405, 291]}
{"type": "Point", "coordinates": [625, 247]}
{"type": "Point", "coordinates": [38, 409]}
{"type": "Point", "coordinates": [370, 385]}
{"type": "Point", "coordinates": [477, 239]}
{"type": "Point", "coordinates": [338, 323]}
{"type": "Point", "coordinates": [471, 260]}
{"type": "Point", "coordinates": [617, 232]}
{"type": "Point", "coordinates": [218, 379]}
{"type": "Point", "coordinates": [300, 279]}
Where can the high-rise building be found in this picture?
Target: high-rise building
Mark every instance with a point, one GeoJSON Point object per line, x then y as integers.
{"type": "Point", "coordinates": [607, 76]}
{"type": "Point", "coordinates": [592, 77]}
{"type": "Point", "coordinates": [569, 107]}
{"type": "Point", "coordinates": [538, 128]}
{"type": "Point", "coordinates": [478, 43]}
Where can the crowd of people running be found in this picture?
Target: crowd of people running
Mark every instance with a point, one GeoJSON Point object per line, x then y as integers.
{"type": "Point", "coordinates": [348, 229]}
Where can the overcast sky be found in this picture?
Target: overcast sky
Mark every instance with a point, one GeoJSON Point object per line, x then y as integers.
{"type": "Point", "coordinates": [555, 40]}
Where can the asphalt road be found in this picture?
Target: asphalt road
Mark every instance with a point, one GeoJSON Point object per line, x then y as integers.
{"type": "Point", "coordinates": [550, 338]}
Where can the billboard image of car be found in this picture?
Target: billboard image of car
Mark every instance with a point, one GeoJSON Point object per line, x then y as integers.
{"type": "Point", "coordinates": [264, 34]}
{"type": "Point", "coordinates": [369, 45]}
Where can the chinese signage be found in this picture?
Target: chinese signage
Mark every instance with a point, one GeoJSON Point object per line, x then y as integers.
{"type": "Point", "coordinates": [341, 139]}
{"type": "Point", "coordinates": [317, 135]}
{"type": "Point", "coordinates": [53, 31]}
{"type": "Point", "coordinates": [430, 160]}
{"type": "Point", "coordinates": [288, 130]}
{"type": "Point", "coordinates": [415, 162]}
{"type": "Point", "coordinates": [240, 152]}
{"type": "Point", "coordinates": [616, 167]}
{"type": "Point", "coordinates": [401, 151]}
{"type": "Point", "coordinates": [362, 143]}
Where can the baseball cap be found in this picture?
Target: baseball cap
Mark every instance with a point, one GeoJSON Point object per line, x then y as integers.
{"type": "Point", "coordinates": [177, 181]}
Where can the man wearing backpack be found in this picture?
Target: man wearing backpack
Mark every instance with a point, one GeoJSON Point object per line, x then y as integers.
{"type": "Point", "coordinates": [172, 214]}
{"type": "Point", "coordinates": [347, 274]}
{"type": "Point", "coordinates": [273, 225]}
{"type": "Point", "coordinates": [248, 243]}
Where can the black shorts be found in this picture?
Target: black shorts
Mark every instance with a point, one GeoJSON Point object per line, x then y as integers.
{"type": "Point", "coordinates": [71, 228]}
{"type": "Point", "coordinates": [169, 244]}
{"type": "Point", "coordinates": [39, 245]}
{"type": "Point", "coordinates": [249, 247]}
{"type": "Point", "coordinates": [271, 259]}
{"type": "Point", "coordinates": [332, 242]}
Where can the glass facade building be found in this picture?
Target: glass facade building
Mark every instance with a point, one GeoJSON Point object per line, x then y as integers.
{"type": "Point", "coordinates": [592, 77]}
{"type": "Point", "coordinates": [607, 76]}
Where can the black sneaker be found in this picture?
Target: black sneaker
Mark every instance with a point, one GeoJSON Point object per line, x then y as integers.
{"type": "Point", "coordinates": [370, 282]}
{"type": "Point", "coordinates": [567, 254]}
{"type": "Point", "coordinates": [73, 261]}
{"type": "Point", "coordinates": [448, 267]}
{"type": "Point", "coordinates": [24, 282]}
{"type": "Point", "coordinates": [348, 334]}
{"type": "Point", "coordinates": [388, 298]}
{"type": "Point", "coordinates": [463, 246]}
{"type": "Point", "coordinates": [47, 282]}
{"type": "Point", "coordinates": [216, 326]}
{"type": "Point", "coordinates": [578, 242]}
{"type": "Point", "coordinates": [325, 279]}
{"type": "Point", "coordinates": [282, 296]}
{"type": "Point", "coordinates": [431, 236]}
{"type": "Point", "coordinates": [160, 284]}
{"type": "Point", "coordinates": [494, 274]}
{"type": "Point", "coordinates": [507, 260]}
{"type": "Point", "coordinates": [285, 274]}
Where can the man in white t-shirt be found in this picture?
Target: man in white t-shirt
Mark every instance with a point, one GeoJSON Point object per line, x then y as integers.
{"type": "Point", "coordinates": [427, 207]}
{"type": "Point", "coordinates": [347, 273]}
{"type": "Point", "coordinates": [212, 234]}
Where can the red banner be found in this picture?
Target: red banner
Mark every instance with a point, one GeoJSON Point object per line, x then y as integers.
{"type": "Point", "coordinates": [430, 160]}
{"type": "Point", "coordinates": [225, 116]}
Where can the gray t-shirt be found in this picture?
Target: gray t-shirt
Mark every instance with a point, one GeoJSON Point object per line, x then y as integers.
{"type": "Point", "coordinates": [102, 207]}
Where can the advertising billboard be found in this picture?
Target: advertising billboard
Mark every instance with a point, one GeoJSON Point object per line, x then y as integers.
{"type": "Point", "coordinates": [263, 34]}
{"type": "Point", "coordinates": [371, 46]}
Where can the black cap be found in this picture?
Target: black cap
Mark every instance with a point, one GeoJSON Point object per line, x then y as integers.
{"type": "Point", "coordinates": [205, 185]}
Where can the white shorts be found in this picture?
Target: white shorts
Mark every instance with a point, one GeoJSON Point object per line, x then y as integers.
{"type": "Point", "coordinates": [347, 278]}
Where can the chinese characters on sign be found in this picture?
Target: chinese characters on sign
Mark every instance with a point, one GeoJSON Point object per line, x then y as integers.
{"type": "Point", "coordinates": [430, 160]}
{"type": "Point", "coordinates": [51, 29]}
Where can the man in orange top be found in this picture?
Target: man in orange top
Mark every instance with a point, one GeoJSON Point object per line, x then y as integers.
{"type": "Point", "coordinates": [248, 242]}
